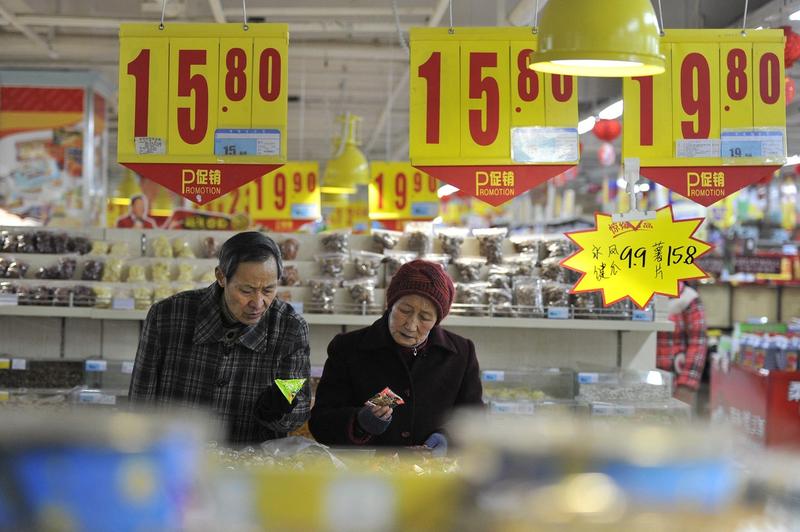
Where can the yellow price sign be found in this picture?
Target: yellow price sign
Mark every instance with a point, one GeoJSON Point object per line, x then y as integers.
{"type": "Point", "coordinates": [203, 107]}
{"type": "Point", "coordinates": [637, 259]}
{"type": "Point", "coordinates": [398, 191]}
{"type": "Point", "coordinates": [287, 197]}
{"type": "Point", "coordinates": [480, 119]}
{"type": "Point", "coordinates": [723, 96]}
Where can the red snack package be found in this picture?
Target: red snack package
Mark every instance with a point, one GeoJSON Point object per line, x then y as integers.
{"type": "Point", "coordinates": [386, 397]}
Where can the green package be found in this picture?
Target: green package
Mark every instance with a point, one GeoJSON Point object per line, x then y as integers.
{"type": "Point", "coordinates": [289, 387]}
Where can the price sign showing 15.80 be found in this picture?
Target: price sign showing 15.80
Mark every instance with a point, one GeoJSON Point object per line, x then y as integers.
{"type": "Point", "coordinates": [480, 119]}
{"type": "Point", "coordinates": [203, 107]}
{"type": "Point", "coordinates": [723, 95]}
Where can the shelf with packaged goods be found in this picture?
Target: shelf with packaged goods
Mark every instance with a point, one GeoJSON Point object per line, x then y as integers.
{"type": "Point", "coordinates": [360, 320]}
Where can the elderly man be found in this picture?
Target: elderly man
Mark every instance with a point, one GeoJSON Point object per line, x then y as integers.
{"type": "Point", "coordinates": [221, 348]}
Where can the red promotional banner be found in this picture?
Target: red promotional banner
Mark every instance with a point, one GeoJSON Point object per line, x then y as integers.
{"type": "Point", "coordinates": [709, 184]}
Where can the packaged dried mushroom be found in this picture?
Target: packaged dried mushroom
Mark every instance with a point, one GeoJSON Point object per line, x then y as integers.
{"type": "Point", "coordinates": [499, 276]}
{"type": "Point", "coordinates": [207, 277]}
{"type": "Point", "coordinates": [555, 294]}
{"type": "Point", "coordinates": [559, 247]}
{"type": "Point", "coordinates": [528, 295]}
{"type": "Point", "coordinates": [395, 259]}
{"type": "Point", "coordinates": [385, 239]}
{"type": "Point", "coordinates": [142, 297]}
{"type": "Point", "coordinates": [420, 237]}
{"type": "Point", "coordinates": [469, 268]}
{"type": "Point", "coordinates": [92, 270]}
{"type": "Point", "coordinates": [552, 270]}
{"type": "Point", "coordinates": [366, 263]}
{"type": "Point", "coordinates": [16, 269]}
{"type": "Point", "coordinates": [452, 239]}
{"type": "Point", "coordinates": [63, 269]}
{"type": "Point", "coordinates": [527, 244]}
{"type": "Point", "coordinates": [500, 301]}
{"type": "Point", "coordinates": [289, 248]}
{"type": "Point", "coordinates": [490, 242]}
{"type": "Point", "coordinates": [523, 264]}
{"type": "Point", "coordinates": [112, 272]}
{"type": "Point", "coordinates": [160, 271]}
{"type": "Point", "coordinates": [209, 248]}
{"type": "Point", "coordinates": [99, 247]}
{"type": "Point", "coordinates": [83, 296]}
{"type": "Point", "coordinates": [338, 242]}
{"type": "Point", "coordinates": [182, 249]}
{"type": "Point", "coordinates": [323, 291]}
{"type": "Point", "coordinates": [102, 296]}
{"type": "Point", "coordinates": [290, 275]}
{"type": "Point", "coordinates": [362, 290]}
{"type": "Point", "coordinates": [473, 294]}
{"type": "Point", "coordinates": [331, 263]}
{"type": "Point", "coordinates": [119, 249]}
{"type": "Point", "coordinates": [185, 272]}
{"type": "Point", "coordinates": [137, 273]}
{"type": "Point", "coordinates": [162, 248]}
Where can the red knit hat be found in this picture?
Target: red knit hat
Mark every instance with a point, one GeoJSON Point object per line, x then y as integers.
{"type": "Point", "coordinates": [427, 279]}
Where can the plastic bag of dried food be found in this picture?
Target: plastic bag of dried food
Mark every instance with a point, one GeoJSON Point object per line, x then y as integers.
{"type": "Point", "coordinates": [102, 296]}
{"type": "Point", "coordinates": [490, 242]}
{"type": "Point", "coordinates": [182, 287]}
{"type": "Point", "coordinates": [40, 295]}
{"type": "Point", "coordinates": [290, 276]}
{"type": "Point", "coordinates": [137, 273]}
{"type": "Point", "coordinates": [209, 248]}
{"type": "Point", "coordinates": [79, 244]}
{"type": "Point", "coordinates": [289, 248]}
{"type": "Point", "coordinates": [8, 244]}
{"type": "Point", "coordinates": [99, 247]}
{"type": "Point", "coordinates": [559, 247]}
{"type": "Point", "coordinates": [527, 244]}
{"type": "Point", "coordinates": [112, 272]}
{"type": "Point", "coordinates": [16, 269]}
{"type": "Point", "coordinates": [522, 264]}
{"type": "Point", "coordinates": [367, 263]}
{"type": "Point", "coordinates": [386, 397]}
{"type": "Point", "coordinates": [473, 296]}
{"type": "Point", "coordinates": [555, 294]}
{"type": "Point", "coordinates": [336, 242]}
{"type": "Point", "coordinates": [62, 296]}
{"type": "Point", "coordinates": [185, 273]}
{"type": "Point", "coordinates": [142, 297]}
{"type": "Point", "coordinates": [119, 249]}
{"type": "Point", "coordinates": [323, 291]}
{"type": "Point", "coordinates": [586, 305]}
{"type": "Point", "coordinates": [552, 270]}
{"type": "Point", "coordinates": [8, 288]}
{"type": "Point", "coordinates": [469, 268]}
{"type": "Point", "coordinates": [83, 296]}
{"type": "Point", "coordinates": [331, 263]}
{"type": "Point", "coordinates": [499, 276]}
{"type": "Point", "coordinates": [385, 239]}
{"type": "Point", "coordinates": [528, 296]}
{"type": "Point", "coordinates": [4, 266]}
{"type": "Point", "coordinates": [394, 259]}
{"type": "Point", "coordinates": [57, 243]}
{"type": "Point", "coordinates": [161, 291]}
{"type": "Point", "coordinates": [63, 269]}
{"type": "Point", "coordinates": [43, 242]}
{"type": "Point", "coordinates": [182, 249]}
{"type": "Point", "coordinates": [160, 272]}
{"type": "Point", "coordinates": [208, 276]}
{"type": "Point", "coordinates": [500, 301]}
{"type": "Point", "coordinates": [290, 387]}
{"type": "Point", "coordinates": [362, 290]}
{"type": "Point", "coordinates": [419, 237]}
{"type": "Point", "coordinates": [22, 294]}
{"type": "Point", "coordinates": [162, 247]}
{"type": "Point", "coordinates": [439, 258]}
{"type": "Point", "coordinates": [452, 240]}
{"type": "Point", "coordinates": [25, 243]}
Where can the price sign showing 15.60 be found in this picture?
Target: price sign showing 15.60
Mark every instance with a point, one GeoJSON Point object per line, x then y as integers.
{"type": "Point", "coordinates": [202, 107]}
{"type": "Point", "coordinates": [480, 119]}
{"type": "Point", "coordinates": [398, 191]}
{"type": "Point", "coordinates": [636, 259]}
{"type": "Point", "coordinates": [723, 96]}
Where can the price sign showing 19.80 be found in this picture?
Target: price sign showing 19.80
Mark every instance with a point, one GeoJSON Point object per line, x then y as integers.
{"type": "Point", "coordinates": [636, 259]}
{"type": "Point", "coordinates": [722, 96]}
{"type": "Point", "coordinates": [203, 107]}
{"type": "Point", "coordinates": [480, 119]}
{"type": "Point", "coordinates": [398, 191]}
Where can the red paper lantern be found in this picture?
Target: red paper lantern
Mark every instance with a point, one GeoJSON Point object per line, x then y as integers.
{"type": "Point", "coordinates": [791, 50]}
{"type": "Point", "coordinates": [789, 88]}
{"type": "Point", "coordinates": [607, 130]}
{"type": "Point", "coordinates": [797, 169]}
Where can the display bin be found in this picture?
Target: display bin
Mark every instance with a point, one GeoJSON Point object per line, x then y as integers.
{"type": "Point", "coordinates": [624, 385]}
{"type": "Point", "coordinates": [36, 397]}
{"type": "Point", "coordinates": [526, 390]}
{"type": "Point", "coordinates": [668, 412]}
{"type": "Point", "coordinates": [763, 404]}
{"type": "Point", "coordinates": [108, 374]}
{"type": "Point", "coordinates": [40, 374]}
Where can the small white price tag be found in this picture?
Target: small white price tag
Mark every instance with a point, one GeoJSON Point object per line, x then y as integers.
{"type": "Point", "coordinates": [19, 364]}
{"type": "Point", "coordinates": [588, 378]}
{"type": "Point", "coordinates": [123, 303]}
{"type": "Point", "coordinates": [150, 146]}
{"type": "Point", "coordinates": [602, 409]}
{"type": "Point", "coordinates": [693, 148]}
{"type": "Point", "coordinates": [9, 299]}
{"type": "Point", "coordinates": [642, 315]}
{"type": "Point", "coordinates": [96, 365]}
{"type": "Point", "coordinates": [503, 407]}
{"type": "Point", "coordinates": [494, 376]}
{"type": "Point", "coordinates": [558, 313]}
{"type": "Point", "coordinates": [96, 398]}
{"type": "Point", "coordinates": [127, 367]}
{"type": "Point", "coordinates": [624, 410]}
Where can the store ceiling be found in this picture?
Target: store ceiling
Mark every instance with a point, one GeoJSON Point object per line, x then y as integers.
{"type": "Point", "coordinates": [345, 55]}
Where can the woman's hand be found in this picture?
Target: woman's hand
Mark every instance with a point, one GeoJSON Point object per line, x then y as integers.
{"type": "Point", "coordinates": [374, 419]}
{"type": "Point", "coordinates": [381, 412]}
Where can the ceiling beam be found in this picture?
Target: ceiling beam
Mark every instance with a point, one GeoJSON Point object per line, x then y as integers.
{"type": "Point", "coordinates": [272, 13]}
{"type": "Point", "coordinates": [11, 19]}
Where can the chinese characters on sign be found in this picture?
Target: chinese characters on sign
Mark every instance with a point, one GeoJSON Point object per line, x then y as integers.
{"type": "Point", "coordinates": [636, 259]}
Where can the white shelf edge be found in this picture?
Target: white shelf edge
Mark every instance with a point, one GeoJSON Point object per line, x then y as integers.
{"type": "Point", "coordinates": [359, 320]}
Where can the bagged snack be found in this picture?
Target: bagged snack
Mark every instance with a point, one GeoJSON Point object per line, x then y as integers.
{"type": "Point", "coordinates": [102, 296]}
{"type": "Point", "coordinates": [185, 273]}
{"type": "Point", "coordinates": [559, 247]}
{"type": "Point", "coordinates": [43, 242]}
{"type": "Point", "coordinates": [331, 263]}
{"type": "Point", "coordinates": [323, 291]}
{"type": "Point", "coordinates": [555, 294]}
{"type": "Point", "coordinates": [162, 248]}
{"type": "Point", "coordinates": [39, 295]}
{"type": "Point", "coordinates": [290, 276]}
{"type": "Point", "coordinates": [209, 248]}
{"type": "Point", "coordinates": [92, 270]}
{"type": "Point", "coordinates": [469, 268]}
{"type": "Point", "coordinates": [552, 270]}
{"type": "Point", "coordinates": [161, 291]}
{"type": "Point", "coordinates": [451, 239]}
{"type": "Point", "coordinates": [523, 264]}
{"type": "Point", "coordinates": [490, 242]}
{"type": "Point", "coordinates": [16, 269]}
{"type": "Point", "coordinates": [420, 237]}
{"type": "Point", "coordinates": [386, 397]}
{"type": "Point", "coordinates": [83, 296]}
{"type": "Point", "coordinates": [8, 244]}
{"type": "Point", "coordinates": [99, 248]}
{"type": "Point", "coordinates": [208, 276]}
{"type": "Point", "coordinates": [366, 263]}
{"type": "Point", "coordinates": [160, 272]}
{"type": "Point", "coordinates": [385, 239]}
{"type": "Point", "coordinates": [289, 248]}
{"type": "Point", "coordinates": [25, 243]}
{"type": "Point", "coordinates": [586, 305]}
{"type": "Point", "coordinates": [499, 277]}
{"type": "Point", "coordinates": [290, 387]}
{"type": "Point", "coordinates": [182, 249]}
{"type": "Point", "coordinates": [79, 244]}
{"type": "Point", "coordinates": [528, 295]}
{"type": "Point", "coordinates": [338, 242]}
{"type": "Point", "coordinates": [362, 290]}
{"type": "Point", "coordinates": [63, 269]}
{"type": "Point", "coordinates": [500, 301]}
{"type": "Point", "coordinates": [119, 249]}
{"type": "Point", "coordinates": [62, 296]}
{"type": "Point", "coordinates": [472, 294]}
{"type": "Point", "coordinates": [527, 244]}
{"type": "Point", "coordinates": [439, 258]}
{"type": "Point", "coordinates": [112, 272]}
{"type": "Point", "coordinates": [137, 273]}
{"type": "Point", "coordinates": [395, 259]}
{"type": "Point", "coordinates": [142, 297]}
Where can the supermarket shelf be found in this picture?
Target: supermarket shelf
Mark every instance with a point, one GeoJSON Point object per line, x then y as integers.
{"type": "Point", "coordinates": [360, 320]}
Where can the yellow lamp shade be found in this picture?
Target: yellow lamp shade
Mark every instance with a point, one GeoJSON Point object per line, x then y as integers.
{"type": "Point", "coordinates": [601, 38]}
{"type": "Point", "coordinates": [347, 170]}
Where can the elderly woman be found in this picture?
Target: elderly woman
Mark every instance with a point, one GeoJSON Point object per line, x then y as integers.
{"type": "Point", "coordinates": [431, 369]}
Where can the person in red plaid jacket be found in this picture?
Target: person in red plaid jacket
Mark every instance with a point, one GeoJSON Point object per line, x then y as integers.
{"type": "Point", "coordinates": [683, 351]}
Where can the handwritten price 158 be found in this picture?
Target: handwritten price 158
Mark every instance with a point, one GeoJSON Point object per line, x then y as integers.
{"type": "Point", "coordinates": [674, 255]}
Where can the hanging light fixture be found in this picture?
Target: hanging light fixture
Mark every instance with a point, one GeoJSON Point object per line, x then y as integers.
{"type": "Point", "coordinates": [608, 38]}
{"type": "Point", "coordinates": [348, 167]}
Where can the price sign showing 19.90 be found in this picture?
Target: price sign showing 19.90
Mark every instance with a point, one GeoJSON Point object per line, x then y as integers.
{"type": "Point", "coordinates": [722, 95]}
{"type": "Point", "coordinates": [203, 107]}
{"type": "Point", "coordinates": [480, 119]}
{"type": "Point", "coordinates": [636, 259]}
{"type": "Point", "coordinates": [398, 191]}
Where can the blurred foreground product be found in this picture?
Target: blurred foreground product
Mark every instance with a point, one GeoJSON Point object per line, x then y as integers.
{"type": "Point", "coordinates": [562, 473]}
{"type": "Point", "coordinates": [70, 470]}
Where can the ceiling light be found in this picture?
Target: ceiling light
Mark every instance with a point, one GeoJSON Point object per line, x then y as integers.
{"type": "Point", "coordinates": [612, 111]}
{"type": "Point", "coordinates": [613, 38]}
{"type": "Point", "coordinates": [348, 167]}
{"type": "Point", "coordinates": [795, 15]}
